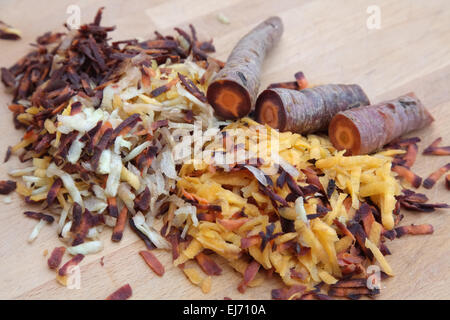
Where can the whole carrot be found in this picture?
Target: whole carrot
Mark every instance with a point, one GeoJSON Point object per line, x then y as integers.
{"type": "Point", "coordinates": [233, 91]}
{"type": "Point", "coordinates": [307, 110]}
{"type": "Point", "coordinates": [366, 129]}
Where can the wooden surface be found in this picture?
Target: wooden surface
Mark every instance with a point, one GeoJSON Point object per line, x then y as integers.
{"type": "Point", "coordinates": [330, 43]}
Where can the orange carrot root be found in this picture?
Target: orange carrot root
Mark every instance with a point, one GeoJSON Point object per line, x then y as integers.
{"type": "Point", "coordinates": [232, 92]}
{"type": "Point", "coordinates": [307, 110]}
{"type": "Point", "coordinates": [366, 129]}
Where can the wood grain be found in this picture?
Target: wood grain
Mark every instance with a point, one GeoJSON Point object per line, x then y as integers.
{"type": "Point", "coordinates": [329, 41]}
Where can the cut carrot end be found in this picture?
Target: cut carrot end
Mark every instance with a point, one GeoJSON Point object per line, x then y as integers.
{"type": "Point", "coordinates": [269, 110]}
{"type": "Point", "coordinates": [269, 114]}
{"type": "Point", "coordinates": [229, 99]}
{"type": "Point", "coordinates": [344, 135]}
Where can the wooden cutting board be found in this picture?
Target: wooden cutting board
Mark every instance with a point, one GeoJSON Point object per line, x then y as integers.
{"type": "Point", "coordinates": [330, 42]}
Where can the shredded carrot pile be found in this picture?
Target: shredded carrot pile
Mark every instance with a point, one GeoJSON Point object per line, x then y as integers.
{"type": "Point", "coordinates": [303, 225]}
{"type": "Point", "coordinates": [102, 134]}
